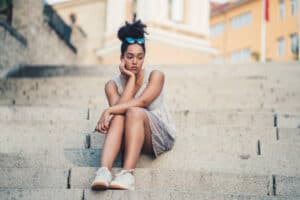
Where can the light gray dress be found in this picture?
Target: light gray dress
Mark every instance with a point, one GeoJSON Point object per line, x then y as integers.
{"type": "Point", "coordinates": [162, 127]}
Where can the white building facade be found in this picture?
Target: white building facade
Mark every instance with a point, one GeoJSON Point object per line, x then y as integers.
{"type": "Point", "coordinates": [178, 30]}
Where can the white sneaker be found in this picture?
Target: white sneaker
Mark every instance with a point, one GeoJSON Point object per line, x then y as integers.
{"type": "Point", "coordinates": [102, 179]}
{"type": "Point", "coordinates": [124, 180]}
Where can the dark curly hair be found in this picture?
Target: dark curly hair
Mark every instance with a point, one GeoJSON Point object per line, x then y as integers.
{"type": "Point", "coordinates": [136, 29]}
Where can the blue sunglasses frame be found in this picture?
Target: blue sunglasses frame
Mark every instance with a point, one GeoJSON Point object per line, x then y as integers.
{"type": "Point", "coordinates": [131, 40]}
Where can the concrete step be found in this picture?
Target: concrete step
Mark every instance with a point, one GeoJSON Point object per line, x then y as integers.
{"type": "Point", "coordinates": [175, 195]}
{"type": "Point", "coordinates": [242, 146]}
{"type": "Point", "coordinates": [31, 142]}
{"type": "Point", "coordinates": [207, 88]}
{"type": "Point", "coordinates": [212, 88]}
{"type": "Point", "coordinates": [66, 158]}
{"type": "Point", "coordinates": [216, 73]}
{"type": "Point", "coordinates": [288, 121]}
{"type": "Point", "coordinates": [289, 135]}
{"type": "Point", "coordinates": [275, 67]}
{"type": "Point", "coordinates": [223, 162]}
{"type": "Point", "coordinates": [90, 157]}
{"type": "Point", "coordinates": [214, 139]}
{"type": "Point", "coordinates": [41, 194]}
{"type": "Point", "coordinates": [22, 113]}
{"type": "Point", "coordinates": [185, 102]}
{"type": "Point", "coordinates": [21, 179]}
{"type": "Point", "coordinates": [186, 118]}
{"type": "Point", "coordinates": [48, 126]}
{"type": "Point", "coordinates": [34, 178]}
{"type": "Point", "coordinates": [228, 150]}
{"type": "Point", "coordinates": [204, 117]}
{"type": "Point", "coordinates": [185, 180]}
{"type": "Point", "coordinates": [285, 153]}
{"type": "Point", "coordinates": [258, 106]}
{"type": "Point", "coordinates": [86, 194]}
{"type": "Point", "coordinates": [287, 185]}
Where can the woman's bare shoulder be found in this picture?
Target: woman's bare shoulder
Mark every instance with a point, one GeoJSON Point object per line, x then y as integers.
{"type": "Point", "coordinates": [156, 74]}
{"type": "Point", "coordinates": [110, 85]}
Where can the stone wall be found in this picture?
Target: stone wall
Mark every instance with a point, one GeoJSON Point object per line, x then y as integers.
{"type": "Point", "coordinates": [44, 46]}
{"type": "Point", "coordinates": [12, 51]}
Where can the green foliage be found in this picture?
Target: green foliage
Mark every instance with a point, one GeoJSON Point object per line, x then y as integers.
{"type": "Point", "coordinates": [4, 4]}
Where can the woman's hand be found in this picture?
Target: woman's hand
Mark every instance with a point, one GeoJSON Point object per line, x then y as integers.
{"type": "Point", "coordinates": [103, 123]}
{"type": "Point", "coordinates": [123, 70]}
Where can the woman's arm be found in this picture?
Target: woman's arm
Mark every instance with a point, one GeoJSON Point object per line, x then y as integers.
{"type": "Point", "coordinates": [153, 89]}
{"type": "Point", "coordinates": [114, 98]}
{"type": "Point", "coordinates": [128, 92]}
{"type": "Point", "coordinates": [111, 89]}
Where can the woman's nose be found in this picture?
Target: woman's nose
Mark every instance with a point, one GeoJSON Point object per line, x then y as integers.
{"type": "Point", "coordinates": [134, 60]}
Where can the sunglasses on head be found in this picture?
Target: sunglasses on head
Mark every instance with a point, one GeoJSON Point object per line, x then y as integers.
{"type": "Point", "coordinates": [131, 40]}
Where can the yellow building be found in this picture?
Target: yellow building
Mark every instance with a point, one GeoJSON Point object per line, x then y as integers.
{"type": "Point", "coordinates": [89, 15]}
{"type": "Point", "coordinates": [236, 26]}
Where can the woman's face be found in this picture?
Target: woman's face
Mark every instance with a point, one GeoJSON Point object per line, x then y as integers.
{"type": "Point", "coordinates": [134, 58]}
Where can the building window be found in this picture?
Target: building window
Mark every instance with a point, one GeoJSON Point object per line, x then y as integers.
{"type": "Point", "coordinates": [241, 20]}
{"type": "Point", "coordinates": [294, 43]}
{"type": "Point", "coordinates": [6, 9]}
{"type": "Point", "coordinates": [294, 7]}
{"type": "Point", "coordinates": [218, 60]}
{"type": "Point", "coordinates": [281, 9]}
{"type": "Point", "coordinates": [176, 10]}
{"type": "Point", "coordinates": [281, 45]}
{"type": "Point", "coordinates": [240, 56]}
{"type": "Point", "coordinates": [217, 29]}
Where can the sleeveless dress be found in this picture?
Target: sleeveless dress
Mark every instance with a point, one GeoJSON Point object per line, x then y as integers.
{"type": "Point", "coordinates": [162, 127]}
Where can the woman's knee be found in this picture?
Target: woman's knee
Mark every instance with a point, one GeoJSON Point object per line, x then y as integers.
{"type": "Point", "coordinates": [119, 118]}
{"type": "Point", "coordinates": [117, 122]}
{"type": "Point", "coordinates": [134, 113]}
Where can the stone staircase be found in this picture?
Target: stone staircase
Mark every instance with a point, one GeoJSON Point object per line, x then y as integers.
{"type": "Point", "coordinates": [238, 135]}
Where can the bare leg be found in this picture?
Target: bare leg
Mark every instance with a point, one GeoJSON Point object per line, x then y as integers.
{"type": "Point", "coordinates": [137, 136]}
{"type": "Point", "coordinates": [113, 140]}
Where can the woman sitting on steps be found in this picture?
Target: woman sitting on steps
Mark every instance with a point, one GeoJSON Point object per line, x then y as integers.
{"type": "Point", "coordinates": [136, 111]}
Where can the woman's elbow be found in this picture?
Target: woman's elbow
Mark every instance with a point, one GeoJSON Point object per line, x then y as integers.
{"type": "Point", "coordinates": [143, 103]}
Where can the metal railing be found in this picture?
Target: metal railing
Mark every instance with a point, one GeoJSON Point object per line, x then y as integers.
{"type": "Point", "coordinates": [59, 26]}
{"type": "Point", "coordinates": [13, 32]}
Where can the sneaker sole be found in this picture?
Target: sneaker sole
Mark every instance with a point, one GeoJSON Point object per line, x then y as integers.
{"type": "Point", "coordinates": [99, 186]}
{"type": "Point", "coordinates": [117, 187]}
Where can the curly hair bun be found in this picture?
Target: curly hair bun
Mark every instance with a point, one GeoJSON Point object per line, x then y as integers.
{"type": "Point", "coordinates": [135, 30]}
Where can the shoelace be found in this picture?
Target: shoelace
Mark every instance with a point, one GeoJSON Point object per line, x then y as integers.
{"type": "Point", "coordinates": [100, 171]}
{"type": "Point", "coordinates": [124, 171]}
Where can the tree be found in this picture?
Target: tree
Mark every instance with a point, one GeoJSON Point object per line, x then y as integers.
{"type": "Point", "coordinates": [6, 10]}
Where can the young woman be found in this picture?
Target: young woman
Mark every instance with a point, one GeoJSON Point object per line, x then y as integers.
{"type": "Point", "coordinates": [137, 112]}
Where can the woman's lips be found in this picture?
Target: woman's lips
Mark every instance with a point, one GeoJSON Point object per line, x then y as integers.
{"type": "Point", "coordinates": [133, 68]}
